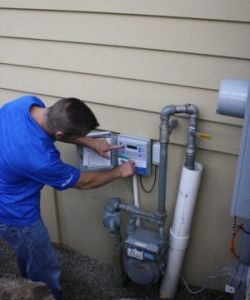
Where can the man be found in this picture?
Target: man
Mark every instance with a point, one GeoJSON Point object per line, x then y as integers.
{"type": "Point", "coordinates": [28, 161]}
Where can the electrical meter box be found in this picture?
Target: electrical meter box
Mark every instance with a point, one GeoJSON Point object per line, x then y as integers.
{"type": "Point", "coordinates": [137, 149]}
{"type": "Point", "coordinates": [234, 100]}
{"type": "Point", "coordinates": [241, 196]}
{"type": "Point", "coordinates": [90, 161]}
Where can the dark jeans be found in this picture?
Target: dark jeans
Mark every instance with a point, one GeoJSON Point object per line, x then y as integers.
{"type": "Point", "coordinates": [36, 256]}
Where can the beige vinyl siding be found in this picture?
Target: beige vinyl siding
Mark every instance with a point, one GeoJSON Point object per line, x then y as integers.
{"type": "Point", "coordinates": [234, 10]}
{"type": "Point", "coordinates": [225, 138]}
{"type": "Point", "coordinates": [182, 69]}
{"type": "Point", "coordinates": [182, 35]}
{"type": "Point", "coordinates": [142, 95]}
{"type": "Point", "coordinates": [127, 60]}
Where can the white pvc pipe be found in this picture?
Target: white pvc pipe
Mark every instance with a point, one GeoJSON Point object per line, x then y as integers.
{"type": "Point", "coordinates": [180, 229]}
{"type": "Point", "coordinates": [136, 195]}
{"type": "Point", "coordinates": [135, 191]}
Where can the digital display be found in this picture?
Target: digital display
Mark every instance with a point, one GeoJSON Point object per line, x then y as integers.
{"type": "Point", "coordinates": [132, 147]}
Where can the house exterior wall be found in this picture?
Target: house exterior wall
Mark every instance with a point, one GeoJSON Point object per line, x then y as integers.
{"type": "Point", "coordinates": [127, 60]}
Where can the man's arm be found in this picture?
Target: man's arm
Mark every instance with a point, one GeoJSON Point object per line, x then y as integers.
{"type": "Point", "coordinates": [99, 145]}
{"type": "Point", "coordinates": [96, 179]}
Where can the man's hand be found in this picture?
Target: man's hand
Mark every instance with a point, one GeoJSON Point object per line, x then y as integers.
{"type": "Point", "coordinates": [95, 179]}
{"type": "Point", "coordinates": [127, 169]}
{"type": "Point", "coordinates": [100, 145]}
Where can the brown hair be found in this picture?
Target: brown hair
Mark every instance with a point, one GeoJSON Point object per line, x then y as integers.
{"type": "Point", "coordinates": [71, 116]}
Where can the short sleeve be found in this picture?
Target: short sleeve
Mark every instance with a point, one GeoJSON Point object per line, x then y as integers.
{"type": "Point", "coordinates": [45, 166]}
{"type": "Point", "coordinates": [59, 175]}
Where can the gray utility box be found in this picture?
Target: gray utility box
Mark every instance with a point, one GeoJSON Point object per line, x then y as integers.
{"type": "Point", "coordinates": [234, 100]}
{"type": "Point", "coordinates": [133, 148]}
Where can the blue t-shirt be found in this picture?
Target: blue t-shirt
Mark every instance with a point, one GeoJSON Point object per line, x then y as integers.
{"type": "Point", "coordinates": [28, 161]}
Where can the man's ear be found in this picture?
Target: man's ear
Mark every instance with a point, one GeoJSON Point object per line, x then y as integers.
{"type": "Point", "coordinates": [59, 135]}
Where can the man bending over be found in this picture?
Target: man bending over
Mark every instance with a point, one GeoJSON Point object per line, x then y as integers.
{"type": "Point", "coordinates": [28, 161]}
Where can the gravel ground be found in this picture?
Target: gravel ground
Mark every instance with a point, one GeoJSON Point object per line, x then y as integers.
{"type": "Point", "coordinates": [84, 278]}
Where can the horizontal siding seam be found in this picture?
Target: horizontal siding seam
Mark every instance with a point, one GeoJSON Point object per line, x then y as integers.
{"type": "Point", "coordinates": [157, 113]}
{"type": "Point", "coordinates": [123, 46]}
{"type": "Point", "coordinates": [122, 107]}
{"type": "Point", "coordinates": [108, 76]}
{"type": "Point", "coordinates": [125, 14]}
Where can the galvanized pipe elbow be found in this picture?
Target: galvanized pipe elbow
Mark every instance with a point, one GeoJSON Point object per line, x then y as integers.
{"type": "Point", "coordinates": [192, 110]}
{"type": "Point", "coordinates": [167, 111]}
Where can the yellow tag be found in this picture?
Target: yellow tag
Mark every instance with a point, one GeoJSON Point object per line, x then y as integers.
{"type": "Point", "coordinates": [203, 135]}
